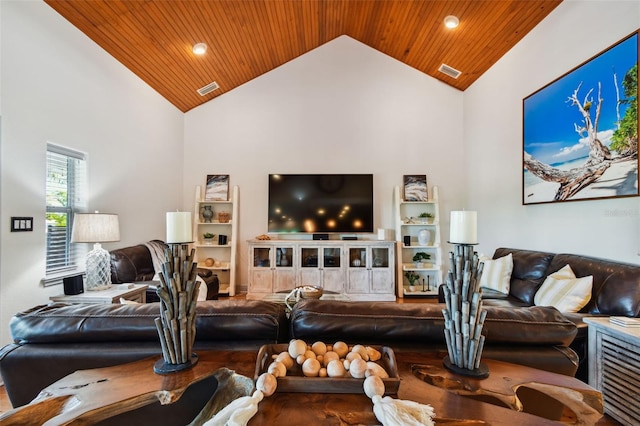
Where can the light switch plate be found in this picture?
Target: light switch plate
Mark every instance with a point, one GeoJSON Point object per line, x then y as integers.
{"type": "Point", "coordinates": [21, 224]}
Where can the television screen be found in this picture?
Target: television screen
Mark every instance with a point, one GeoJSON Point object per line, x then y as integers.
{"type": "Point", "coordinates": [327, 203]}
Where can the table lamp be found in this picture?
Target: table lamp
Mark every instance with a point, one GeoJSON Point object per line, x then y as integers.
{"type": "Point", "coordinates": [96, 228]}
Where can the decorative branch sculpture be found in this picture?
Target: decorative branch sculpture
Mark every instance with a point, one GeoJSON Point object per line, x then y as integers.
{"type": "Point", "coordinates": [464, 316]}
{"type": "Point", "coordinates": [178, 293]}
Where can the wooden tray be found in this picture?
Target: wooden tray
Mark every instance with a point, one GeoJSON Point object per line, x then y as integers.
{"type": "Point", "coordinates": [294, 381]}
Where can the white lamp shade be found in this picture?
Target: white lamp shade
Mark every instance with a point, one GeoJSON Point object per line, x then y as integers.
{"type": "Point", "coordinates": [464, 227]}
{"type": "Point", "coordinates": [179, 227]}
{"type": "Point", "coordinates": [95, 228]}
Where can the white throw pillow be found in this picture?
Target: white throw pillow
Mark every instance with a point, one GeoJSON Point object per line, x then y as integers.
{"type": "Point", "coordinates": [564, 291]}
{"type": "Point", "coordinates": [202, 290]}
{"type": "Point", "coordinates": [496, 274]}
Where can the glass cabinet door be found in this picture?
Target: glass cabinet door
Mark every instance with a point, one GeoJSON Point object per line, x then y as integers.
{"type": "Point", "coordinates": [309, 272]}
{"type": "Point", "coordinates": [261, 257]}
{"type": "Point", "coordinates": [284, 276]}
{"type": "Point", "coordinates": [381, 271]}
{"type": "Point", "coordinates": [331, 257]}
{"type": "Point", "coordinates": [380, 257]}
{"type": "Point", "coordinates": [261, 275]}
{"type": "Point", "coordinates": [357, 257]}
{"type": "Point", "coordinates": [309, 257]}
{"type": "Point", "coordinates": [284, 257]}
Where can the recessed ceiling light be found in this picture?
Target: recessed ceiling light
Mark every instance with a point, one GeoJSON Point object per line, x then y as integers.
{"type": "Point", "coordinates": [451, 21]}
{"type": "Point", "coordinates": [199, 48]}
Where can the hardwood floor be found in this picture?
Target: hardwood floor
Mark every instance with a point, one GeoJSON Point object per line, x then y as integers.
{"type": "Point", "coordinates": [5, 405]}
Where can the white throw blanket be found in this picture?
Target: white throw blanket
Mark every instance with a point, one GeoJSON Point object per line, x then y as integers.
{"type": "Point", "coordinates": [157, 248]}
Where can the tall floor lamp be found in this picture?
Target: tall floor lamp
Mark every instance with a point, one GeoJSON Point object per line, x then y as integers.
{"type": "Point", "coordinates": [96, 228]}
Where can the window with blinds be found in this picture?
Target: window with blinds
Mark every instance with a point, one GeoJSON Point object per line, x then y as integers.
{"type": "Point", "coordinates": [66, 194]}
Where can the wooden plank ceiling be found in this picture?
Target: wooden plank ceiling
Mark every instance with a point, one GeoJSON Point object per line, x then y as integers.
{"type": "Point", "coordinates": [247, 38]}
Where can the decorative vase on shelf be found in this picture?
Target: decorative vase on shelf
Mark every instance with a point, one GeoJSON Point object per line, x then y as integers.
{"type": "Point", "coordinates": [424, 236]}
{"type": "Point", "coordinates": [207, 214]}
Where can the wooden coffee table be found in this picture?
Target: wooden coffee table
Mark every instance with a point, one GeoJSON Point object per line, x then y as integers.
{"type": "Point", "coordinates": [106, 392]}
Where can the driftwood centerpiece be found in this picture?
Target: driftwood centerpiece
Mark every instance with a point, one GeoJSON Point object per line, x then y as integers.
{"type": "Point", "coordinates": [463, 315]}
{"type": "Point", "coordinates": [178, 293]}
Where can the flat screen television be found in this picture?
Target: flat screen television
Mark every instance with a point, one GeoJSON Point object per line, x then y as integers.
{"type": "Point", "coordinates": [320, 203]}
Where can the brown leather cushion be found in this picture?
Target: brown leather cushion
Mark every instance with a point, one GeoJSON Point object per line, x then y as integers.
{"type": "Point", "coordinates": [216, 320]}
{"type": "Point", "coordinates": [389, 323]}
{"type": "Point", "coordinates": [616, 286]}
{"type": "Point", "coordinates": [529, 271]}
{"type": "Point", "coordinates": [131, 264]}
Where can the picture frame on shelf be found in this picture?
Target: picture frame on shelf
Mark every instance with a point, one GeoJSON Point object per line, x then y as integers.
{"type": "Point", "coordinates": [415, 188]}
{"type": "Point", "coordinates": [580, 131]}
{"type": "Point", "coordinates": [217, 188]}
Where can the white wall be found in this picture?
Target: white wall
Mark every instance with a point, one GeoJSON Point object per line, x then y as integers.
{"type": "Point", "coordinates": [59, 86]}
{"type": "Point", "coordinates": [571, 34]}
{"type": "Point", "coordinates": [341, 108]}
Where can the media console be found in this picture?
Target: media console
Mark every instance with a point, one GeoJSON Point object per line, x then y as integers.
{"type": "Point", "coordinates": [361, 269]}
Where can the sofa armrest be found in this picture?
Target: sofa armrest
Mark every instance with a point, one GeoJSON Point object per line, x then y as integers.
{"type": "Point", "coordinates": [131, 264]}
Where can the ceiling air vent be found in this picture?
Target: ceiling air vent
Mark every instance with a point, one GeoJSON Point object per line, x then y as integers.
{"type": "Point", "coordinates": [450, 71]}
{"type": "Point", "coordinates": [208, 88]}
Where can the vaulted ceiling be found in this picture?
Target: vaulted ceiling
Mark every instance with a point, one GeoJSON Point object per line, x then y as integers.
{"type": "Point", "coordinates": [247, 38]}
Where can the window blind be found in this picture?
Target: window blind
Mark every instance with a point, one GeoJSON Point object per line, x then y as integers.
{"type": "Point", "coordinates": [65, 194]}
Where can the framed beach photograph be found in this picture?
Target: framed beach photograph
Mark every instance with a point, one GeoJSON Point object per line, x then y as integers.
{"type": "Point", "coordinates": [217, 188]}
{"type": "Point", "coordinates": [580, 132]}
{"type": "Point", "coordinates": [415, 188]}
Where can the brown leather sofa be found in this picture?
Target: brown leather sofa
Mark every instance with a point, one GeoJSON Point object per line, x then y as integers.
{"type": "Point", "coordinates": [53, 341]}
{"type": "Point", "coordinates": [615, 292]}
{"type": "Point", "coordinates": [135, 264]}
